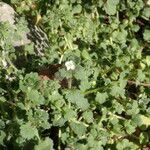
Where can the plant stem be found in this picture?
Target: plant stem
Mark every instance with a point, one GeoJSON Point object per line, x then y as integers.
{"type": "Point", "coordinates": [11, 64]}
{"type": "Point", "coordinates": [92, 91]}
{"type": "Point", "coordinates": [70, 83]}
{"type": "Point", "coordinates": [142, 84]}
{"type": "Point", "coordinates": [61, 58]}
{"type": "Point", "coordinates": [59, 143]}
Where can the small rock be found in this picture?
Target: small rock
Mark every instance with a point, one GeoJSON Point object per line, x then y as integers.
{"type": "Point", "coordinates": [7, 14]}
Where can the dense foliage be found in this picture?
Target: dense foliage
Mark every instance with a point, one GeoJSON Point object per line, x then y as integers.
{"type": "Point", "coordinates": [104, 103]}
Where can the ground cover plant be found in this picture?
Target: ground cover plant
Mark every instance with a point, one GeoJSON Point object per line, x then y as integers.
{"type": "Point", "coordinates": [90, 87]}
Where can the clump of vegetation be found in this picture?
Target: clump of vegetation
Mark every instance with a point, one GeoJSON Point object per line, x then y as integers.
{"type": "Point", "coordinates": [90, 88]}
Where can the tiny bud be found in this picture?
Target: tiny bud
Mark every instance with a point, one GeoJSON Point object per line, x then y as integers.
{"type": "Point", "coordinates": [70, 65]}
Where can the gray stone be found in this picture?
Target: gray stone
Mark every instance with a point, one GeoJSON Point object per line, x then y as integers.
{"type": "Point", "coordinates": [7, 14]}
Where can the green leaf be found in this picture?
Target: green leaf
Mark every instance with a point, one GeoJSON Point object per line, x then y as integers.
{"type": "Point", "coordinates": [101, 97]}
{"type": "Point", "coordinates": [117, 128]}
{"type": "Point", "coordinates": [77, 9]}
{"type": "Point", "coordinates": [117, 91]}
{"type": "Point", "coordinates": [81, 73]}
{"type": "Point", "coordinates": [2, 91]}
{"type": "Point", "coordinates": [2, 137]}
{"type": "Point", "coordinates": [30, 49]}
{"type": "Point", "coordinates": [144, 138]}
{"type": "Point", "coordinates": [28, 131]}
{"type": "Point", "coordinates": [59, 120]}
{"type": "Point", "coordinates": [114, 121]}
{"type": "Point", "coordinates": [136, 120]}
{"type": "Point", "coordinates": [146, 12]}
{"type": "Point", "coordinates": [2, 124]}
{"type": "Point", "coordinates": [84, 85]}
{"type": "Point", "coordinates": [119, 36]}
{"type": "Point", "coordinates": [147, 60]}
{"type": "Point", "coordinates": [140, 75]}
{"type": "Point", "coordinates": [118, 107]}
{"type": "Point", "coordinates": [41, 118]}
{"type": "Point", "coordinates": [35, 97]}
{"type": "Point", "coordinates": [100, 3]}
{"type": "Point", "coordinates": [46, 144]}
{"type": "Point", "coordinates": [32, 94]}
{"type": "Point", "coordinates": [78, 128]}
{"type": "Point", "coordinates": [129, 127]}
{"type": "Point", "coordinates": [110, 6]}
{"type": "Point", "coordinates": [146, 35]}
{"type": "Point", "coordinates": [64, 137]}
{"type": "Point", "coordinates": [2, 99]}
{"type": "Point", "coordinates": [77, 98]}
{"type": "Point", "coordinates": [125, 144]}
{"type": "Point", "coordinates": [69, 114]}
{"type": "Point", "coordinates": [86, 55]}
{"type": "Point", "coordinates": [135, 28]}
{"type": "Point", "coordinates": [145, 120]}
{"type": "Point", "coordinates": [88, 116]}
{"type": "Point", "coordinates": [132, 109]}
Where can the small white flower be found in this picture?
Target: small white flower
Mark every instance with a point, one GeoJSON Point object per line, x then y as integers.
{"type": "Point", "coordinates": [70, 65]}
